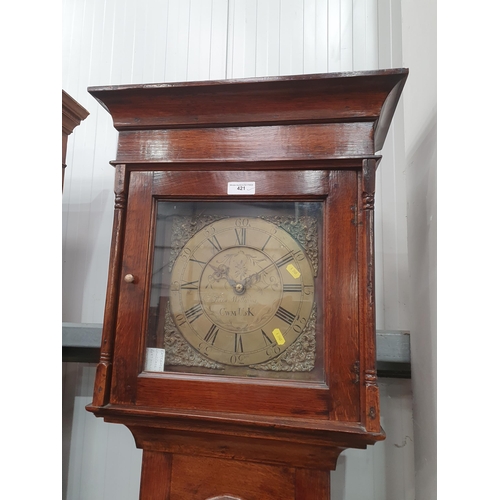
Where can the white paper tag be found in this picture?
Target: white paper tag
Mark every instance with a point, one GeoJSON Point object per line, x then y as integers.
{"type": "Point", "coordinates": [155, 359]}
{"type": "Point", "coordinates": [241, 188]}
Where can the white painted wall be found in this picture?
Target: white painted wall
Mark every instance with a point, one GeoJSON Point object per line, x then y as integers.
{"type": "Point", "coordinates": [144, 41]}
{"type": "Point", "coordinates": [100, 460]}
{"type": "Point", "coordinates": [420, 135]}
{"type": "Point", "coordinates": [132, 41]}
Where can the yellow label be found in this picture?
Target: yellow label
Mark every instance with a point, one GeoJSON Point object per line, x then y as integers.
{"type": "Point", "coordinates": [280, 340]}
{"type": "Point", "coordinates": [293, 270]}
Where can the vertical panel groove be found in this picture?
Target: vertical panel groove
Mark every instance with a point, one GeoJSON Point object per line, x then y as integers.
{"type": "Point", "coordinates": [211, 33]}
{"type": "Point", "coordinates": [256, 37]}
{"type": "Point", "coordinates": [188, 40]}
{"type": "Point", "coordinates": [228, 34]}
{"type": "Point", "coordinates": [230, 39]}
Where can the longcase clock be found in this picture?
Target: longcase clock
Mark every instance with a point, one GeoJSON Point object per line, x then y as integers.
{"type": "Point", "coordinates": [239, 332]}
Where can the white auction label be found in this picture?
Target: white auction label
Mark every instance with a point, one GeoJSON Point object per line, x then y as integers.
{"type": "Point", "coordinates": [241, 188]}
{"type": "Point", "coordinates": [155, 360]}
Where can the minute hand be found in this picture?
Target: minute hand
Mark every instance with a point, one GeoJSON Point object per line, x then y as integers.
{"type": "Point", "coordinates": [280, 262]}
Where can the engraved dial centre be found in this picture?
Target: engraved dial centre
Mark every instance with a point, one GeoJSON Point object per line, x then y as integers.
{"type": "Point", "coordinates": [240, 289]}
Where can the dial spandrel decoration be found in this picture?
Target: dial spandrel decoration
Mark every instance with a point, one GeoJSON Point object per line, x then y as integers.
{"type": "Point", "coordinates": [242, 292]}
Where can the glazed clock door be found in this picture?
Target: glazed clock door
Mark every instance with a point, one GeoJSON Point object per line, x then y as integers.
{"type": "Point", "coordinates": [229, 288]}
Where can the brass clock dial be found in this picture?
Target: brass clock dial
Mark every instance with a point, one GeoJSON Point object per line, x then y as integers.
{"type": "Point", "coordinates": [242, 291]}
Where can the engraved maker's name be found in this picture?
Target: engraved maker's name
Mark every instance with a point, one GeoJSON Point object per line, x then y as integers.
{"type": "Point", "coordinates": [236, 312]}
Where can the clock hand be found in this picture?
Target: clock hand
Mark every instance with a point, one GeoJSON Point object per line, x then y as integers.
{"type": "Point", "coordinates": [221, 272]}
{"type": "Point", "coordinates": [250, 280]}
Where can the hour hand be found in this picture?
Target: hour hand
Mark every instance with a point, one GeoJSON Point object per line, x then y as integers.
{"type": "Point", "coordinates": [221, 272]}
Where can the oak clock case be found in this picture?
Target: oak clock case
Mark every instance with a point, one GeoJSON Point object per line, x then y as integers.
{"type": "Point", "coordinates": [239, 330]}
{"type": "Point", "coordinates": [236, 289]}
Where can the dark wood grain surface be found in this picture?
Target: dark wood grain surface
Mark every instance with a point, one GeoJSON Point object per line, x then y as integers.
{"type": "Point", "coordinates": [323, 98]}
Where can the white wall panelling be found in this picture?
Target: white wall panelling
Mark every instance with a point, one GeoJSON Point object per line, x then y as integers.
{"type": "Point", "coordinates": [390, 194]}
{"type": "Point", "coordinates": [419, 32]}
{"type": "Point", "coordinates": [383, 471]}
{"type": "Point", "coordinates": [128, 41]}
{"type": "Point", "coordinates": [100, 460]}
{"type": "Point", "coordinates": [145, 41]}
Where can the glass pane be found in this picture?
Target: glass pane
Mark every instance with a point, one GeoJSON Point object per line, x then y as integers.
{"type": "Point", "coordinates": [236, 290]}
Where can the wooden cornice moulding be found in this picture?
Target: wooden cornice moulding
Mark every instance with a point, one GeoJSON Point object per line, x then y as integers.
{"type": "Point", "coordinates": [276, 107]}
{"type": "Point", "coordinates": [73, 113]}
